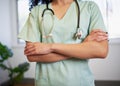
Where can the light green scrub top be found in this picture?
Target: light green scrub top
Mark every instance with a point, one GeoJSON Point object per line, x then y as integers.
{"type": "Point", "coordinates": [71, 72]}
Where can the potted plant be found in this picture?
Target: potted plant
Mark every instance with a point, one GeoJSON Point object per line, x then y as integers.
{"type": "Point", "coordinates": [16, 74]}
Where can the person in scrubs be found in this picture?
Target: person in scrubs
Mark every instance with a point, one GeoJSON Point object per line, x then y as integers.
{"type": "Point", "coordinates": [60, 59]}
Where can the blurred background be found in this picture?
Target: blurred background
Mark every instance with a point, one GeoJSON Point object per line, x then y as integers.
{"type": "Point", "coordinates": [13, 14]}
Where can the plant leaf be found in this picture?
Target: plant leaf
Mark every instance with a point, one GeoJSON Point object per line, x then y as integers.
{"type": "Point", "coordinates": [3, 66]}
{"type": "Point", "coordinates": [21, 68]}
{"type": "Point", "coordinates": [5, 52]}
{"type": "Point", "coordinates": [24, 66]}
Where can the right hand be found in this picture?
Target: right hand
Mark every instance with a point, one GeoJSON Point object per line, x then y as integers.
{"type": "Point", "coordinates": [35, 48]}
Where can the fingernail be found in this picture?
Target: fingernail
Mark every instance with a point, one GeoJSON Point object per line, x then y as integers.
{"type": "Point", "coordinates": [106, 32]}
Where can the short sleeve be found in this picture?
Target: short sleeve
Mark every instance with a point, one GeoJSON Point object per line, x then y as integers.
{"type": "Point", "coordinates": [31, 31]}
{"type": "Point", "coordinates": [96, 19]}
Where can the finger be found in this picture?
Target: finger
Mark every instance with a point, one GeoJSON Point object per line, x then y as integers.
{"type": "Point", "coordinates": [104, 38]}
{"type": "Point", "coordinates": [29, 44]}
{"type": "Point", "coordinates": [101, 34]}
{"type": "Point", "coordinates": [101, 38]}
{"type": "Point", "coordinates": [27, 47]}
{"type": "Point", "coordinates": [29, 50]}
{"type": "Point", "coordinates": [96, 30]}
{"type": "Point", "coordinates": [30, 53]}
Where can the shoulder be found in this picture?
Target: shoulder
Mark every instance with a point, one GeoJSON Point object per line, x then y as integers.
{"type": "Point", "coordinates": [86, 2]}
{"type": "Point", "coordinates": [88, 5]}
{"type": "Point", "coordinates": [37, 10]}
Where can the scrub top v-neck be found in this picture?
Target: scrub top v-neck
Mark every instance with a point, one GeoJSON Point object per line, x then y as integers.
{"type": "Point", "coordinates": [66, 13]}
{"type": "Point", "coordinates": [62, 31]}
{"type": "Point", "coordinates": [71, 72]}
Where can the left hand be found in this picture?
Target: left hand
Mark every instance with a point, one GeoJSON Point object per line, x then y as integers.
{"type": "Point", "coordinates": [37, 48]}
{"type": "Point", "coordinates": [97, 35]}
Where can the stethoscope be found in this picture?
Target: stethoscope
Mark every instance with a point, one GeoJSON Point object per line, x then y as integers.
{"type": "Point", "coordinates": [78, 32]}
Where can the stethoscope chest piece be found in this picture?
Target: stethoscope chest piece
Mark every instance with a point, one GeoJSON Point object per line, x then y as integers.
{"type": "Point", "coordinates": [78, 34]}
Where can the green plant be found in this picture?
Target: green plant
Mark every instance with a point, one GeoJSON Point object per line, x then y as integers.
{"type": "Point", "coordinates": [15, 74]}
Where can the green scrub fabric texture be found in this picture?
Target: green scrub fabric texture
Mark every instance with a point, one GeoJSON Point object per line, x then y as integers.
{"type": "Point", "coordinates": [71, 72]}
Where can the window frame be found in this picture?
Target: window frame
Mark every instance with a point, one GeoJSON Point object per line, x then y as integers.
{"type": "Point", "coordinates": [14, 24]}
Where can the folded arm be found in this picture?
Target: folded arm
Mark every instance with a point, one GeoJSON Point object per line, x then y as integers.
{"type": "Point", "coordinates": [85, 50]}
{"type": "Point", "coordinates": [52, 57]}
{"type": "Point", "coordinates": [94, 46]}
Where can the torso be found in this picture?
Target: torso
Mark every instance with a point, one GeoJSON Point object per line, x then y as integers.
{"type": "Point", "coordinates": [71, 72]}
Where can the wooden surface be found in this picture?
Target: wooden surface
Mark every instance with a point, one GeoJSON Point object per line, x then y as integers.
{"type": "Point", "coordinates": [30, 82]}
{"type": "Point", "coordinates": [24, 82]}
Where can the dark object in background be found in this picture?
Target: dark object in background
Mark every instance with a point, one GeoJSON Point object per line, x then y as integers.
{"type": "Point", "coordinates": [107, 83]}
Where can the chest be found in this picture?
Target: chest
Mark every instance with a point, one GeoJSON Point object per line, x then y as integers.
{"type": "Point", "coordinates": [63, 30]}
{"type": "Point", "coordinates": [60, 10]}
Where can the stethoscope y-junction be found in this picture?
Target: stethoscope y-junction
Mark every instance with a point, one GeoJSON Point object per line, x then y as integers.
{"type": "Point", "coordinates": [78, 32]}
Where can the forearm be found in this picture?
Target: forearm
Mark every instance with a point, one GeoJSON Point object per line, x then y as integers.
{"type": "Point", "coordinates": [85, 50]}
{"type": "Point", "coordinates": [95, 45]}
{"type": "Point", "coordinates": [52, 57]}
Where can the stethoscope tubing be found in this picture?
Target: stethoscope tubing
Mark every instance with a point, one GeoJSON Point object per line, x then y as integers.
{"type": "Point", "coordinates": [78, 20]}
{"type": "Point", "coordinates": [78, 15]}
{"type": "Point", "coordinates": [47, 8]}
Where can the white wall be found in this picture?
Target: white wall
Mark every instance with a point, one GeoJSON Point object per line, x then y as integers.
{"type": "Point", "coordinates": [103, 69]}
{"type": "Point", "coordinates": [5, 35]}
{"type": "Point", "coordinates": [109, 68]}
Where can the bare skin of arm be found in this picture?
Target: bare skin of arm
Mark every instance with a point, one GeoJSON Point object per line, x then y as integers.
{"type": "Point", "coordinates": [85, 50]}
{"type": "Point", "coordinates": [51, 57]}
{"type": "Point", "coordinates": [95, 45]}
